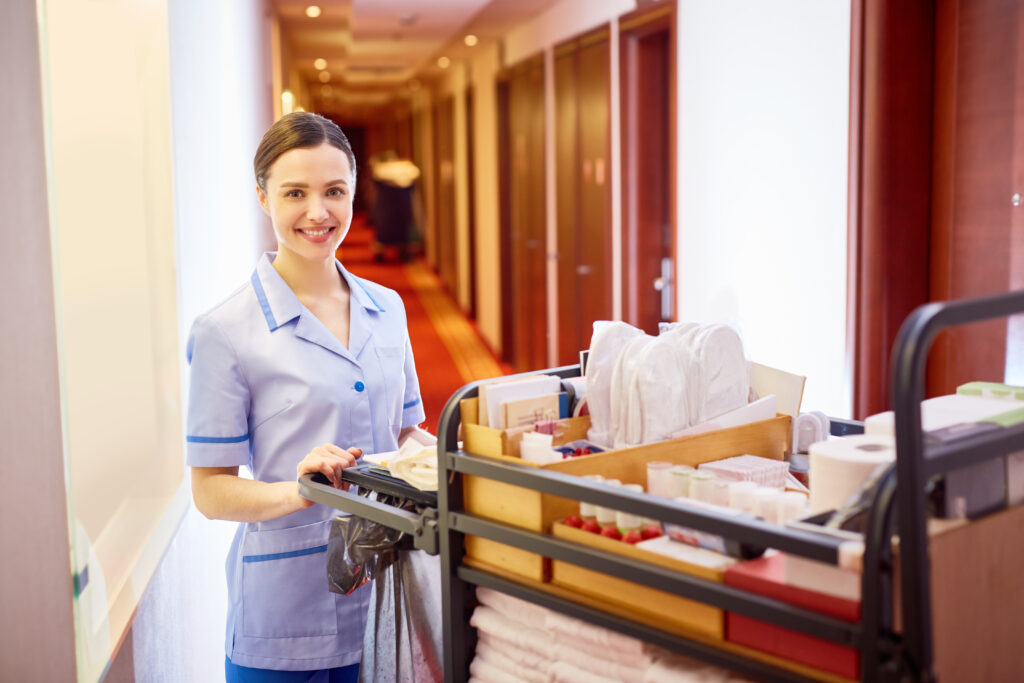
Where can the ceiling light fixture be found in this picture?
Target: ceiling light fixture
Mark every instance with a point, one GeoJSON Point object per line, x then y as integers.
{"type": "Point", "coordinates": [444, 62]}
{"type": "Point", "coordinates": [324, 76]}
{"type": "Point", "coordinates": [313, 11]}
{"type": "Point", "coordinates": [326, 90]}
{"type": "Point", "coordinates": [471, 40]}
{"type": "Point", "coordinates": [319, 63]}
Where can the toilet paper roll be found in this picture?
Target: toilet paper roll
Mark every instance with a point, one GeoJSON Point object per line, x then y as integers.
{"type": "Point", "coordinates": [838, 467]}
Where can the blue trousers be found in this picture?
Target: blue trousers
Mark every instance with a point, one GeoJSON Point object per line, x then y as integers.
{"type": "Point", "coordinates": [234, 673]}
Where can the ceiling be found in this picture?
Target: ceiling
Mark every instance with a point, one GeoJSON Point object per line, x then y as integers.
{"type": "Point", "coordinates": [377, 50]}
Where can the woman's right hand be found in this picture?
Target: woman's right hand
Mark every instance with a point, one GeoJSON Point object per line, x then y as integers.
{"type": "Point", "coordinates": [328, 460]}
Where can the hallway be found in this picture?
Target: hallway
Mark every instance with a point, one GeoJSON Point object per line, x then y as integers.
{"type": "Point", "coordinates": [448, 348]}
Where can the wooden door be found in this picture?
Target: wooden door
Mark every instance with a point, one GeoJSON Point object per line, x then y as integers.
{"type": "Point", "coordinates": [471, 197]}
{"type": "Point", "coordinates": [505, 219]}
{"type": "Point", "coordinates": [526, 215]}
{"type": "Point", "coordinates": [977, 238]}
{"type": "Point", "coordinates": [567, 198]}
{"type": "Point", "coordinates": [582, 84]}
{"type": "Point", "coordinates": [647, 82]}
{"type": "Point", "coordinates": [444, 137]}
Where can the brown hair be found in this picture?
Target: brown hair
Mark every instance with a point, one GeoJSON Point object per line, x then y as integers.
{"type": "Point", "coordinates": [295, 130]}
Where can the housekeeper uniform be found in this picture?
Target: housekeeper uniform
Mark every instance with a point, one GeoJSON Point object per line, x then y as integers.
{"type": "Point", "coordinates": [269, 382]}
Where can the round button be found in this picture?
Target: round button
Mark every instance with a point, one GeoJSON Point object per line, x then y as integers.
{"type": "Point", "coordinates": [359, 386]}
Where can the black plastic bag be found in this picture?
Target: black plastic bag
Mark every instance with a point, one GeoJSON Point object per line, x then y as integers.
{"type": "Point", "coordinates": [358, 550]}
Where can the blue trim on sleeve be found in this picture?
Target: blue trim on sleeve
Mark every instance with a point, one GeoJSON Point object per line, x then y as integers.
{"type": "Point", "coordinates": [363, 287]}
{"type": "Point", "coordinates": [264, 304]}
{"type": "Point", "coordinates": [281, 556]}
{"type": "Point", "coordinates": [217, 439]}
{"type": "Point", "coordinates": [411, 404]}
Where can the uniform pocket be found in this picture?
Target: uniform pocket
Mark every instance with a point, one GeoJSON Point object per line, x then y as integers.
{"type": "Point", "coordinates": [392, 367]}
{"type": "Point", "coordinates": [284, 583]}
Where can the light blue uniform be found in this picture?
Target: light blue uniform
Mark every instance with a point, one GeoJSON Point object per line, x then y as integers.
{"type": "Point", "coordinates": [269, 382]}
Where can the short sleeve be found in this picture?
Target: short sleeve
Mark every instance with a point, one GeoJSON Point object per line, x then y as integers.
{"type": "Point", "coordinates": [412, 403]}
{"type": "Point", "coordinates": [218, 402]}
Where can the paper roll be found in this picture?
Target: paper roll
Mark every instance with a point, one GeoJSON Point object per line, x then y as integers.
{"type": "Point", "coordinates": [838, 467]}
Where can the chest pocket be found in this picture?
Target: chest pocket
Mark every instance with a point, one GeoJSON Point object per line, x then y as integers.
{"type": "Point", "coordinates": [392, 368]}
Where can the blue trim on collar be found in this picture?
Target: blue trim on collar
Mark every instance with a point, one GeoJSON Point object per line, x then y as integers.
{"type": "Point", "coordinates": [281, 556]}
{"type": "Point", "coordinates": [264, 304]}
{"type": "Point", "coordinates": [411, 404]}
{"type": "Point", "coordinates": [363, 287]}
{"type": "Point", "coordinates": [217, 439]}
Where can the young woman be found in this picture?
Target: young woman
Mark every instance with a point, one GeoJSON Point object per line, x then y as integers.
{"type": "Point", "coordinates": [302, 369]}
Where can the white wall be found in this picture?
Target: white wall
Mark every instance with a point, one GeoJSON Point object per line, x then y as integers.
{"type": "Point", "coordinates": [221, 105]}
{"type": "Point", "coordinates": [762, 181]}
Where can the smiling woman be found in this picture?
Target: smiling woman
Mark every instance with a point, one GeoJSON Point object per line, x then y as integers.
{"type": "Point", "coordinates": [300, 371]}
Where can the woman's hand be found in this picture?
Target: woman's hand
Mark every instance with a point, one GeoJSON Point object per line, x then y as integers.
{"type": "Point", "coordinates": [328, 460]}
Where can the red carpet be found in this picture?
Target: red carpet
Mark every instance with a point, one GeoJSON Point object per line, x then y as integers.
{"type": "Point", "coordinates": [439, 374]}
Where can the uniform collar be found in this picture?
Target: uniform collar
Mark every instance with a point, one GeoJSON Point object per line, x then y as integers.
{"type": "Point", "coordinates": [280, 305]}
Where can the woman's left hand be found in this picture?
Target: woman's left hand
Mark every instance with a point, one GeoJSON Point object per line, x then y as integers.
{"type": "Point", "coordinates": [329, 460]}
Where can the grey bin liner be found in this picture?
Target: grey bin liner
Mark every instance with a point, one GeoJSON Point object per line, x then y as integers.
{"type": "Point", "coordinates": [403, 628]}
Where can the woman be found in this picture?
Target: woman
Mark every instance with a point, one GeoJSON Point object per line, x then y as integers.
{"type": "Point", "coordinates": [304, 368]}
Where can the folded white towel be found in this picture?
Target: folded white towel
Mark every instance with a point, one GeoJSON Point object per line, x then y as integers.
{"type": "Point", "coordinates": [595, 634]}
{"type": "Point", "coordinates": [492, 622]}
{"type": "Point", "coordinates": [533, 669]}
{"type": "Point", "coordinates": [483, 672]}
{"type": "Point", "coordinates": [563, 672]}
{"type": "Point", "coordinates": [672, 668]}
{"type": "Point", "coordinates": [513, 608]}
{"type": "Point", "coordinates": [601, 660]}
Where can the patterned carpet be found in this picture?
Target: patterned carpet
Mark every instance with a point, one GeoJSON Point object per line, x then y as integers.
{"type": "Point", "coordinates": [449, 351]}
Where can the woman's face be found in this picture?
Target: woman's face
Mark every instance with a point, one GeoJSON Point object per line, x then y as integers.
{"type": "Point", "coordinates": [309, 200]}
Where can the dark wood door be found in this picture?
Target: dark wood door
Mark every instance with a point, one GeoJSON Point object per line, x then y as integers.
{"type": "Point", "coordinates": [567, 171]}
{"type": "Point", "coordinates": [582, 106]}
{"type": "Point", "coordinates": [444, 149]}
{"type": "Point", "coordinates": [977, 243]}
{"type": "Point", "coordinates": [647, 59]}
{"type": "Point", "coordinates": [526, 215]}
{"type": "Point", "coordinates": [471, 194]}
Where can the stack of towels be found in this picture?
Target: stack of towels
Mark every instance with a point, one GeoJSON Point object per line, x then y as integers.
{"type": "Point", "coordinates": [520, 641]}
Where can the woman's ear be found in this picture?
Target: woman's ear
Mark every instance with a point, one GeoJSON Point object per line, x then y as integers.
{"type": "Point", "coordinates": [263, 199]}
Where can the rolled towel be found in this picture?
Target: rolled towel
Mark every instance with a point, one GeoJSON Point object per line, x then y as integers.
{"type": "Point", "coordinates": [492, 622]}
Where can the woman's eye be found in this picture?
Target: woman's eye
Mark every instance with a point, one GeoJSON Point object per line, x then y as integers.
{"type": "Point", "coordinates": [336, 192]}
{"type": "Point", "coordinates": [293, 193]}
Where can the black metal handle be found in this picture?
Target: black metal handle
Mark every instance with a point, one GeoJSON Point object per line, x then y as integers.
{"type": "Point", "coordinates": [910, 353]}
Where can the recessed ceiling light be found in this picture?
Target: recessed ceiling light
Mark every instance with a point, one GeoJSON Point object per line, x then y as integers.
{"type": "Point", "coordinates": [313, 11]}
{"type": "Point", "coordinates": [324, 76]}
{"type": "Point", "coordinates": [471, 40]}
{"type": "Point", "coordinates": [320, 64]}
{"type": "Point", "coordinates": [326, 90]}
{"type": "Point", "coordinates": [444, 62]}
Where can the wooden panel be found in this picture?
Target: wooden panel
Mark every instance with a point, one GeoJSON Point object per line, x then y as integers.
{"type": "Point", "coordinates": [1015, 328]}
{"type": "Point", "coordinates": [527, 216]}
{"type": "Point", "coordinates": [567, 199]}
{"type": "Point", "coordinates": [471, 201]}
{"type": "Point", "coordinates": [647, 73]}
{"type": "Point", "coordinates": [890, 188]}
{"type": "Point", "coordinates": [505, 220]}
{"type": "Point", "coordinates": [444, 135]}
{"type": "Point", "coordinates": [594, 240]}
{"type": "Point", "coordinates": [976, 64]}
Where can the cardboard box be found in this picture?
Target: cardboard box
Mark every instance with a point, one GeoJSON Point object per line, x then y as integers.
{"type": "Point", "coordinates": [535, 511]}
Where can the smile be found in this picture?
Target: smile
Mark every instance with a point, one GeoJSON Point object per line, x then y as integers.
{"type": "Point", "coordinates": [315, 233]}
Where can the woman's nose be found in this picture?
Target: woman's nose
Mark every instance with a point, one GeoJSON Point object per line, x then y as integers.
{"type": "Point", "coordinates": [316, 211]}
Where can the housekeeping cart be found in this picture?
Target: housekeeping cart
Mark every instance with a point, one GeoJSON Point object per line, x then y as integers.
{"type": "Point", "coordinates": [887, 650]}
